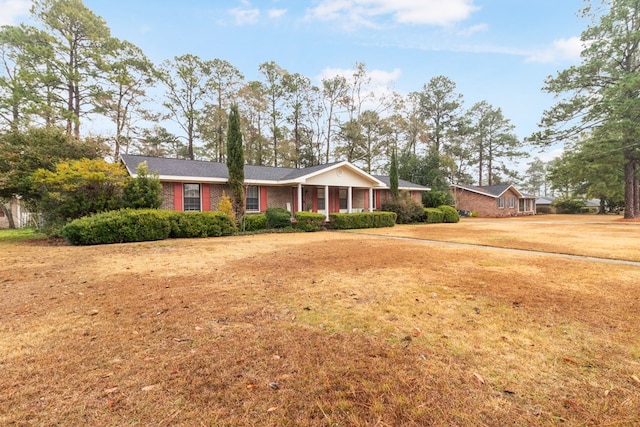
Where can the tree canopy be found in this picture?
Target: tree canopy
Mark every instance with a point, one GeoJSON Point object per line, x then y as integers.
{"type": "Point", "coordinates": [599, 97]}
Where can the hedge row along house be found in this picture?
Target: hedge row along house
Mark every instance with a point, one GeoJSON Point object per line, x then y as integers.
{"type": "Point", "coordinates": [493, 200]}
{"type": "Point", "coordinates": [194, 185]}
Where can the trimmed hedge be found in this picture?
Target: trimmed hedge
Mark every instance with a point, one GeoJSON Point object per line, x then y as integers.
{"type": "Point", "coordinates": [130, 225]}
{"type": "Point", "coordinates": [255, 222]}
{"type": "Point", "coordinates": [278, 218]}
{"type": "Point", "coordinates": [199, 224]}
{"type": "Point", "coordinates": [433, 215]}
{"type": "Point", "coordinates": [126, 225]}
{"type": "Point", "coordinates": [450, 213]}
{"type": "Point", "coordinates": [346, 221]}
{"type": "Point", "coordinates": [309, 221]}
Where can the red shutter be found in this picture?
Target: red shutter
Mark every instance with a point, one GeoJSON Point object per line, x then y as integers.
{"type": "Point", "coordinates": [177, 196]}
{"type": "Point", "coordinates": [314, 199]}
{"type": "Point", "coordinates": [206, 197]}
{"type": "Point", "coordinates": [263, 199]}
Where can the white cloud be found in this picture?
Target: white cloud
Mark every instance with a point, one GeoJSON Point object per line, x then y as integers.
{"type": "Point", "coordinates": [245, 16]}
{"type": "Point", "coordinates": [469, 31]}
{"type": "Point", "coordinates": [11, 9]}
{"type": "Point", "coordinates": [418, 12]}
{"type": "Point", "coordinates": [549, 155]}
{"type": "Point", "coordinates": [276, 13]}
{"type": "Point", "coordinates": [561, 50]}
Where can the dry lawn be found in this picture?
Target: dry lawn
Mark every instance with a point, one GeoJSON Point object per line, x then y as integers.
{"type": "Point", "coordinates": [324, 329]}
{"type": "Point", "coordinates": [601, 236]}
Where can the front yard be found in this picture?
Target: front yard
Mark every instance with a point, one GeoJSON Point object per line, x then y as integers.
{"type": "Point", "coordinates": [326, 328]}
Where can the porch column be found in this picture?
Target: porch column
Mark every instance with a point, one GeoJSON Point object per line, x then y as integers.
{"type": "Point", "coordinates": [326, 201]}
{"type": "Point", "coordinates": [349, 199]}
{"type": "Point", "coordinates": [371, 199]}
{"type": "Point", "coordinates": [299, 197]}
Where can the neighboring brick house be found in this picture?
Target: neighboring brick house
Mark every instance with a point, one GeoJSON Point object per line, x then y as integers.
{"type": "Point", "coordinates": [493, 200]}
{"type": "Point", "coordinates": [194, 185]}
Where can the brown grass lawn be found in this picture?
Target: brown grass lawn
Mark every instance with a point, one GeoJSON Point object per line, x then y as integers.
{"type": "Point", "coordinates": [326, 329]}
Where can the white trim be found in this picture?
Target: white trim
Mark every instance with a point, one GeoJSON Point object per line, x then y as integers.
{"type": "Point", "coordinates": [371, 200]}
{"type": "Point", "coordinates": [326, 201]}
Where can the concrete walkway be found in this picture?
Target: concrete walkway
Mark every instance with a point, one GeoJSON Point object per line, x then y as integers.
{"type": "Point", "coordinates": [495, 248]}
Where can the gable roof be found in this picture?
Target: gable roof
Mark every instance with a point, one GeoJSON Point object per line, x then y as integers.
{"type": "Point", "coordinates": [215, 172]}
{"type": "Point", "coordinates": [494, 191]}
{"type": "Point", "coordinates": [402, 184]}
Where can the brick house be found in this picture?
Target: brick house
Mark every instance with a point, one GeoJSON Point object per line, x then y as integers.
{"type": "Point", "coordinates": [493, 200]}
{"type": "Point", "coordinates": [195, 185]}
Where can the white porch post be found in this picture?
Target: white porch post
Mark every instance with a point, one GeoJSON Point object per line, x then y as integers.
{"type": "Point", "coordinates": [326, 201]}
{"type": "Point", "coordinates": [371, 199]}
{"type": "Point", "coordinates": [299, 197]}
{"type": "Point", "coordinates": [349, 199]}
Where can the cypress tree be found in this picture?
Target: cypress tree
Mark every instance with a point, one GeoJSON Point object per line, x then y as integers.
{"type": "Point", "coordinates": [235, 161]}
{"type": "Point", "coordinates": [393, 176]}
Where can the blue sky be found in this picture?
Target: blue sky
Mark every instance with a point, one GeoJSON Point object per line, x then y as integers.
{"type": "Point", "coordinates": [499, 51]}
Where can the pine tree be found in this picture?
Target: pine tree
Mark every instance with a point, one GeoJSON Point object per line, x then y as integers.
{"type": "Point", "coordinates": [235, 161]}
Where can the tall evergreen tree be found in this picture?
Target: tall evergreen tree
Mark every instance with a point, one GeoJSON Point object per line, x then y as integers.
{"type": "Point", "coordinates": [235, 161]}
{"type": "Point", "coordinates": [601, 94]}
{"type": "Point", "coordinates": [393, 176]}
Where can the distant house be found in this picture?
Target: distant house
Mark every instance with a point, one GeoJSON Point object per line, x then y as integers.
{"type": "Point", "coordinates": [493, 200]}
{"type": "Point", "coordinates": [545, 202]}
{"type": "Point", "coordinates": [194, 185]}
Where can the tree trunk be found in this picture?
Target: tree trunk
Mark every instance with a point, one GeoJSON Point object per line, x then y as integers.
{"type": "Point", "coordinates": [8, 213]}
{"type": "Point", "coordinates": [629, 190]}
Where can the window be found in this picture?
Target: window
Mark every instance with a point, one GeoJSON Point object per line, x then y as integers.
{"type": "Point", "coordinates": [343, 198]}
{"type": "Point", "coordinates": [321, 199]}
{"type": "Point", "coordinates": [501, 203]}
{"type": "Point", "coordinates": [191, 197]}
{"type": "Point", "coordinates": [521, 205]}
{"type": "Point", "coordinates": [253, 198]}
{"type": "Point", "coordinates": [512, 202]}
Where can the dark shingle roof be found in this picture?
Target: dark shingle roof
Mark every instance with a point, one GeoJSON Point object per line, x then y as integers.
{"type": "Point", "coordinates": [182, 168]}
{"type": "Point", "coordinates": [496, 190]}
{"type": "Point", "coordinates": [402, 184]}
{"type": "Point", "coordinates": [491, 190]}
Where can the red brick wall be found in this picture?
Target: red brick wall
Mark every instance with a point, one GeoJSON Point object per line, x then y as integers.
{"type": "Point", "coordinates": [485, 206]}
{"type": "Point", "coordinates": [166, 193]}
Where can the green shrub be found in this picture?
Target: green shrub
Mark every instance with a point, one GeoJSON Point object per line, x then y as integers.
{"type": "Point", "coordinates": [435, 198]}
{"type": "Point", "coordinates": [143, 191]}
{"type": "Point", "coordinates": [199, 224]}
{"type": "Point", "coordinates": [433, 216]}
{"type": "Point", "coordinates": [120, 226]}
{"type": "Point", "coordinates": [345, 221]}
{"type": "Point", "coordinates": [278, 218]}
{"type": "Point", "coordinates": [309, 221]}
{"type": "Point", "coordinates": [255, 222]}
{"type": "Point", "coordinates": [450, 213]}
{"type": "Point", "coordinates": [408, 211]}
{"type": "Point", "coordinates": [543, 210]}
{"type": "Point", "coordinates": [129, 225]}
{"type": "Point", "coordinates": [568, 205]}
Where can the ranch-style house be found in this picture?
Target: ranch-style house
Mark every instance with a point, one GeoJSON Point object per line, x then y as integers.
{"type": "Point", "coordinates": [493, 200]}
{"type": "Point", "coordinates": [195, 185]}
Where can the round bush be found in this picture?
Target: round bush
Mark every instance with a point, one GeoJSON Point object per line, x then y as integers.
{"type": "Point", "coordinates": [450, 213]}
{"type": "Point", "coordinates": [278, 218]}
